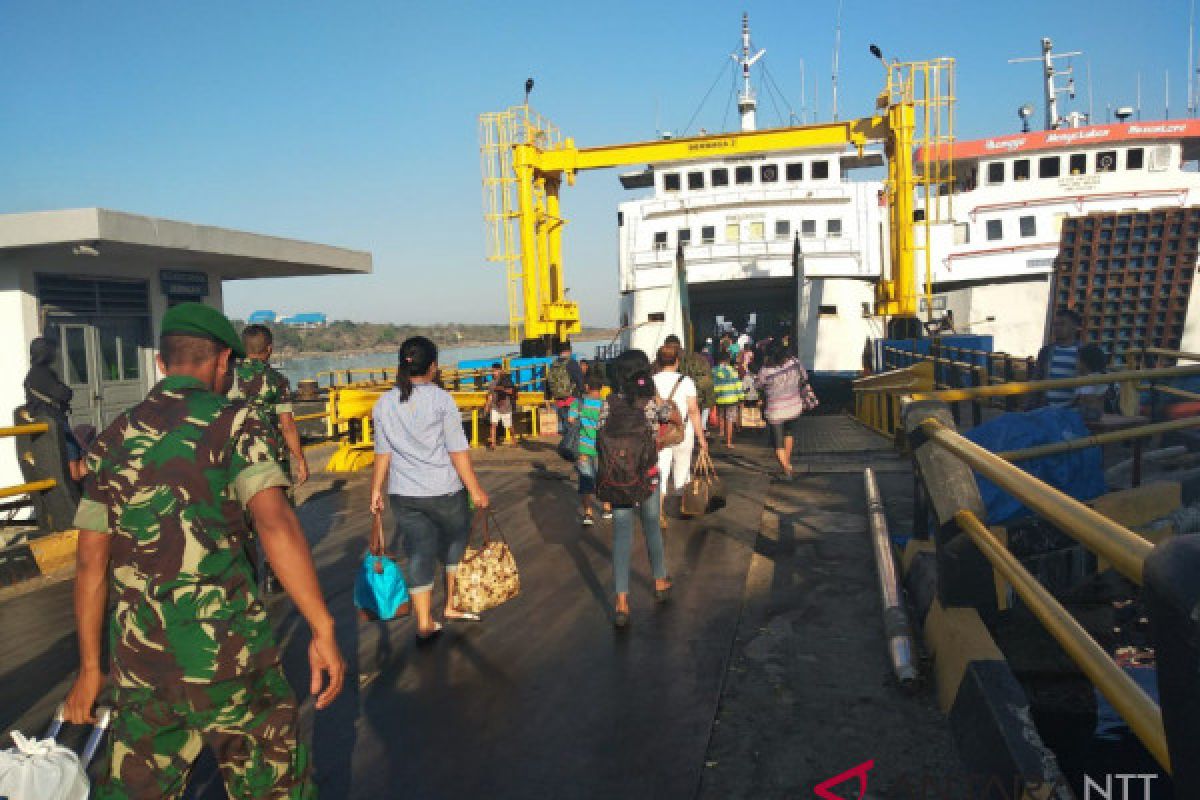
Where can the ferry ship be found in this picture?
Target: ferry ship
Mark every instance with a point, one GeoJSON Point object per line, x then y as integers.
{"type": "Point", "coordinates": [1093, 217]}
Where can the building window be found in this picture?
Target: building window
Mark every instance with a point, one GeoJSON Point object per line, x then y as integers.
{"type": "Point", "coordinates": [995, 230]}
{"type": "Point", "coordinates": [1135, 158]}
{"type": "Point", "coordinates": [720, 177]}
{"type": "Point", "coordinates": [733, 232]}
{"type": "Point", "coordinates": [757, 231]}
{"type": "Point", "coordinates": [1028, 226]}
{"type": "Point", "coordinates": [684, 236]}
{"type": "Point", "coordinates": [783, 229]}
{"type": "Point", "coordinates": [671, 181]}
{"type": "Point", "coordinates": [1049, 167]}
{"type": "Point", "coordinates": [1021, 169]}
{"type": "Point", "coordinates": [1106, 161]}
{"type": "Point", "coordinates": [744, 174]}
{"type": "Point", "coordinates": [833, 228]}
{"type": "Point", "coordinates": [995, 172]}
{"type": "Point", "coordinates": [660, 240]}
{"type": "Point", "coordinates": [962, 233]}
{"type": "Point", "coordinates": [795, 171]}
{"type": "Point", "coordinates": [695, 180]}
{"type": "Point", "coordinates": [820, 170]}
{"type": "Point", "coordinates": [1079, 164]}
{"type": "Point", "coordinates": [808, 228]}
{"type": "Point", "coordinates": [708, 234]}
{"type": "Point", "coordinates": [768, 173]}
{"type": "Point", "coordinates": [827, 311]}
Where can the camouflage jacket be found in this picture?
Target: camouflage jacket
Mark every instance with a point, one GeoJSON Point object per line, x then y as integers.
{"type": "Point", "coordinates": [170, 480]}
{"type": "Point", "coordinates": [262, 386]}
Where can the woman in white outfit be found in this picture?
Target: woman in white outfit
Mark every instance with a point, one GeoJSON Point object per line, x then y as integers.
{"type": "Point", "coordinates": [675, 463]}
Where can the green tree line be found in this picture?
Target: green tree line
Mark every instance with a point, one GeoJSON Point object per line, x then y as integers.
{"type": "Point", "coordinates": [345, 335]}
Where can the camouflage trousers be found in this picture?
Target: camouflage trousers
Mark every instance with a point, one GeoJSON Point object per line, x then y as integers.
{"type": "Point", "coordinates": [249, 723]}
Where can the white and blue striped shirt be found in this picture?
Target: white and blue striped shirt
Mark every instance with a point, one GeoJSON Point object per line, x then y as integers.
{"type": "Point", "coordinates": [1064, 363]}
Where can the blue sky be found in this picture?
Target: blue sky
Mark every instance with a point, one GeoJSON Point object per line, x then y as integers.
{"type": "Point", "coordinates": [354, 123]}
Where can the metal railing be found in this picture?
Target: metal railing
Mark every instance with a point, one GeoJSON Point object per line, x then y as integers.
{"type": "Point", "coordinates": [30, 486]}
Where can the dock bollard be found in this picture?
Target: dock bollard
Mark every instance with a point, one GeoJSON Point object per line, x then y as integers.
{"type": "Point", "coordinates": [1172, 588]}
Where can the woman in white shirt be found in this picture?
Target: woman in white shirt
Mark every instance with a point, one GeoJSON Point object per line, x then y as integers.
{"type": "Point", "coordinates": [675, 462]}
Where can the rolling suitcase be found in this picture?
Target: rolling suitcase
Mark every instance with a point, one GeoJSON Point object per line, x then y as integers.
{"type": "Point", "coordinates": [43, 769]}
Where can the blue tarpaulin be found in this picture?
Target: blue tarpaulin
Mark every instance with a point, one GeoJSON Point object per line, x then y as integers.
{"type": "Point", "coordinates": [1079, 474]}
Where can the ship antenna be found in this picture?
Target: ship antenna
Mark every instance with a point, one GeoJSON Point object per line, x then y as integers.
{"type": "Point", "coordinates": [837, 46]}
{"type": "Point", "coordinates": [746, 100]}
{"type": "Point", "coordinates": [1049, 73]}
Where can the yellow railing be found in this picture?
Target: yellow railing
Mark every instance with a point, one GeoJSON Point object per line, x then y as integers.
{"type": "Point", "coordinates": [32, 486]}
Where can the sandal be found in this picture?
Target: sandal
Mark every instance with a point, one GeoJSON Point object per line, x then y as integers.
{"type": "Point", "coordinates": [663, 595]}
{"type": "Point", "coordinates": [461, 616]}
{"type": "Point", "coordinates": [620, 619]}
{"type": "Point", "coordinates": [429, 638]}
{"type": "Point", "coordinates": [588, 520]}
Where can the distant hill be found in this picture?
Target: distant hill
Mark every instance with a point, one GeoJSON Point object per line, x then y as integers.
{"type": "Point", "coordinates": [346, 336]}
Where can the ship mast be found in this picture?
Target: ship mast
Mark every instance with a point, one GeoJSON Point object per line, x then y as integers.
{"type": "Point", "coordinates": [1051, 88]}
{"type": "Point", "coordinates": [746, 100]}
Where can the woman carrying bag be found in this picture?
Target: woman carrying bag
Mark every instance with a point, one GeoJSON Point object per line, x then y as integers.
{"type": "Point", "coordinates": [785, 383]}
{"type": "Point", "coordinates": [422, 454]}
{"type": "Point", "coordinates": [628, 473]}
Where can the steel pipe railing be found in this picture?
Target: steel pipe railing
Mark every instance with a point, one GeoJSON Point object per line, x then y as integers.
{"type": "Point", "coordinates": [28, 488]}
{"type": "Point", "coordinates": [895, 617]}
{"type": "Point", "coordinates": [1029, 387]}
{"type": "Point", "coordinates": [1098, 439]}
{"type": "Point", "coordinates": [24, 430]}
{"type": "Point", "coordinates": [1131, 702]}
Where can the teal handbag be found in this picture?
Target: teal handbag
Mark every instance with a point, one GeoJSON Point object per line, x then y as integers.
{"type": "Point", "coordinates": [380, 591]}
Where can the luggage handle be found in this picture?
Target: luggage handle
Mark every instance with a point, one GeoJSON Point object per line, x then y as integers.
{"type": "Point", "coordinates": [490, 525]}
{"type": "Point", "coordinates": [103, 719]}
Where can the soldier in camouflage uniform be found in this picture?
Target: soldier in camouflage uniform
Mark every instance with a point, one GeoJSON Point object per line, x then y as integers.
{"type": "Point", "coordinates": [262, 386]}
{"type": "Point", "coordinates": [193, 656]}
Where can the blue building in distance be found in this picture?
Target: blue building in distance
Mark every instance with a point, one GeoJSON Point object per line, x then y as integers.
{"type": "Point", "coordinates": [307, 319]}
{"type": "Point", "coordinates": [261, 318]}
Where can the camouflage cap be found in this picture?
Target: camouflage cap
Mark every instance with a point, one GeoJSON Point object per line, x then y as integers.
{"type": "Point", "coordinates": [197, 319]}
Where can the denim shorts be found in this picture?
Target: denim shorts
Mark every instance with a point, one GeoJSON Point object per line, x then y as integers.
{"type": "Point", "coordinates": [586, 467]}
{"type": "Point", "coordinates": [432, 529]}
{"type": "Point", "coordinates": [778, 431]}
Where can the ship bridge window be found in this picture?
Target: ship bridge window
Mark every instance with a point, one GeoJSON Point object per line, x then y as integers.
{"type": "Point", "coordinates": [720, 177]}
{"type": "Point", "coordinates": [962, 233]}
{"type": "Point", "coordinates": [744, 174]}
{"type": "Point", "coordinates": [708, 234]}
{"type": "Point", "coordinates": [1078, 164]}
{"type": "Point", "coordinates": [671, 181]}
{"type": "Point", "coordinates": [684, 236]}
{"type": "Point", "coordinates": [995, 229]}
{"type": "Point", "coordinates": [808, 228]}
{"type": "Point", "coordinates": [827, 311]}
{"type": "Point", "coordinates": [1021, 169]}
{"type": "Point", "coordinates": [995, 172]}
{"type": "Point", "coordinates": [695, 180]}
{"type": "Point", "coordinates": [1135, 158]}
{"type": "Point", "coordinates": [1049, 167]}
{"type": "Point", "coordinates": [833, 228]}
{"type": "Point", "coordinates": [820, 170]}
{"type": "Point", "coordinates": [795, 171]}
{"type": "Point", "coordinates": [1028, 226]}
{"type": "Point", "coordinates": [660, 240]}
{"type": "Point", "coordinates": [783, 229]}
{"type": "Point", "coordinates": [768, 173]}
{"type": "Point", "coordinates": [1106, 161]}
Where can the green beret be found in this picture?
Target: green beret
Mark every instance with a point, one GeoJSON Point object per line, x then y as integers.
{"type": "Point", "coordinates": [197, 319]}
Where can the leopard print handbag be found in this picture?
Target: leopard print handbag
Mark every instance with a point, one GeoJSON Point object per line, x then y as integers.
{"type": "Point", "coordinates": [487, 576]}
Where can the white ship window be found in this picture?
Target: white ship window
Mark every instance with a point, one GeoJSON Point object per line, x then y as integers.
{"type": "Point", "coordinates": [757, 231]}
{"type": "Point", "coordinates": [708, 234]}
{"type": "Point", "coordinates": [1106, 161]}
{"type": "Point", "coordinates": [1135, 158]}
{"type": "Point", "coordinates": [820, 170]}
{"type": "Point", "coordinates": [808, 228]}
{"type": "Point", "coordinates": [768, 173]}
{"type": "Point", "coordinates": [1078, 164]}
{"type": "Point", "coordinates": [962, 233]}
{"type": "Point", "coordinates": [995, 172]}
{"type": "Point", "coordinates": [660, 240]}
{"type": "Point", "coordinates": [1021, 169]}
{"type": "Point", "coordinates": [744, 175]}
{"type": "Point", "coordinates": [783, 229]}
{"type": "Point", "coordinates": [733, 232]}
{"type": "Point", "coordinates": [720, 177]}
{"type": "Point", "coordinates": [833, 228]}
{"type": "Point", "coordinates": [671, 181]}
{"type": "Point", "coordinates": [827, 311]}
{"type": "Point", "coordinates": [1028, 226]}
{"type": "Point", "coordinates": [795, 171]}
{"type": "Point", "coordinates": [695, 180]}
{"type": "Point", "coordinates": [1049, 167]}
{"type": "Point", "coordinates": [995, 229]}
{"type": "Point", "coordinates": [684, 236]}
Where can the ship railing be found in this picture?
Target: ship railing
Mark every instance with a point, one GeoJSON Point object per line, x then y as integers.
{"type": "Point", "coordinates": [29, 487]}
{"type": "Point", "coordinates": [1167, 572]}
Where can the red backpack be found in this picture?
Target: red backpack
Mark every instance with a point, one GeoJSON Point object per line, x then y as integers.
{"type": "Point", "coordinates": [628, 459]}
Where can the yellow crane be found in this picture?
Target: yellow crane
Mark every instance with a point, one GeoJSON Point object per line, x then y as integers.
{"type": "Point", "coordinates": [526, 161]}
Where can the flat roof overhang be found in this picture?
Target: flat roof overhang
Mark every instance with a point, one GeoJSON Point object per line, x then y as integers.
{"type": "Point", "coordinates": [91, 239]}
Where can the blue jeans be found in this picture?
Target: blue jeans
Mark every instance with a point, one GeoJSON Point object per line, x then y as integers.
{"type": "Point", "coordinates": [623, 540]}
{"type": "Point", "coordinates": [432, 529]}
{"type": "Point", "coordinates": [586, 467]}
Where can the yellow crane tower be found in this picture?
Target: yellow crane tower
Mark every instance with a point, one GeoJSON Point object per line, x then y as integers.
{"type": "Point", "coordinates": [526, 161]}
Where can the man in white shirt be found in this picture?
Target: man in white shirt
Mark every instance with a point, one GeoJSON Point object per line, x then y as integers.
{"type": "Point", "coordinates": [675, 463]}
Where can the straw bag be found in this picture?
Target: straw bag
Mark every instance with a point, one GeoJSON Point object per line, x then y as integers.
{"type": "Point", "coordinates": [487, 576]}
{"type": "Point", "coordinates": [704, 492]}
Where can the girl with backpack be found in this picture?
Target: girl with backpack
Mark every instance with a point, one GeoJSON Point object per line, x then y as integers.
{"type": "Point", "coordinates": [785, 383]}
{"type": "Point", "coordinates": [628, 473]}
